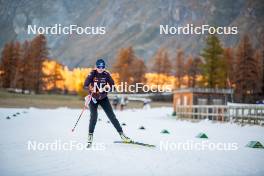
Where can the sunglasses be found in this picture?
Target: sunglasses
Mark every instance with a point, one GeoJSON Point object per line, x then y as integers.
{"type": "Point", "coordinates": [101, 67]}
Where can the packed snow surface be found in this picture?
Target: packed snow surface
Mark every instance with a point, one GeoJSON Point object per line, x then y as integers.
{"type": "Point", "coordinates": [40, 142]}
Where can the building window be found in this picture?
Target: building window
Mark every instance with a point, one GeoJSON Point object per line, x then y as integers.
{"type": "Point", "coordinates": [217, 101]}
{"type": "Point", "coordinates": [202, 101]}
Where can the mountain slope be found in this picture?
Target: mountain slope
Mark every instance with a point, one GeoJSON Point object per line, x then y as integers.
{"type": "Point", "coordinates": [127, 23]}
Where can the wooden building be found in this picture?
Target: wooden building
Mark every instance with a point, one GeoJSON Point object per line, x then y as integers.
{"type": "Point", "coordinates": [201, 96]}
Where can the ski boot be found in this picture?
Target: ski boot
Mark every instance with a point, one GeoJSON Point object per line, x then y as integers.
{"type": "Point", "coordinates": [90, 140]}
{"type": "Point", "coordinates": [125, 138]}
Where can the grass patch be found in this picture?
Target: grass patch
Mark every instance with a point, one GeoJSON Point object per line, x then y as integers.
{"type": "Point", "coordinates": [14, 100]}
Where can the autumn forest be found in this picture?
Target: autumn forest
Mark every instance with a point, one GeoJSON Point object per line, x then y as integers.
{"type": "Point", "coordinates": [28, 67]}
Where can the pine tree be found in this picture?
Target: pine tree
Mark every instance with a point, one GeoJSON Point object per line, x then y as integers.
{"type": "Point", "coordinates": [214, 68]}
{"type": "Point", "coordinates": [246, 73]}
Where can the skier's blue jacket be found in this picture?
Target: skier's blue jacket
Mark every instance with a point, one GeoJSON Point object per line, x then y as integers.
{"type": "Point", "coordinates": [99, 79]}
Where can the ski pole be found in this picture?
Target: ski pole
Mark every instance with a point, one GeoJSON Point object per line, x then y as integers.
{"type": "Point", "coordinates": [78, 118]}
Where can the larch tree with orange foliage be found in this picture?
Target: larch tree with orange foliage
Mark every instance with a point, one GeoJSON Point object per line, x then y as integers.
{"type": "Point", "coordinates": [18, 81]}
{"type": "Point", "coordinates": [28, 66]}
{"type": "Point", "coordinates": [230, 60]}
{"type": "Point", "coordinates": [39, 54]}
{"type": "Point", "coordinates": [262, 68]}
{"type": "Point", "coordinates": [179, 68]}
{"type": "Point", "coordinates": [123, 64]}
{"type": "Point", "coordinates": [162, 64]}
{"type": "Point", "coordinates": [192, 68]}
{"type": "Point", "coordinates": [8, 65]}
{"type": "Point", "coordinates": [138, 71]}
{"type": "Point", "coordinates": [246, 73]}
{"type": "Point", "coordinates": [259, 62]}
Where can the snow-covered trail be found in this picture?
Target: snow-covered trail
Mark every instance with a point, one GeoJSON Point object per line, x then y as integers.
{"type": "Point", "coordinates": [50, 126]}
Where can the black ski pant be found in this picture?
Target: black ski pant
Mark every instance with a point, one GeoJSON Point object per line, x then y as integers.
{"type": "Point", "coordinates": [105, 104]}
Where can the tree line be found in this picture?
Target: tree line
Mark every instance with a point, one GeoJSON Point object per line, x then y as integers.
{"type": "Point", "coordinates": [240, 68]}
{"type": "Point", "coordinates": [22, 65]}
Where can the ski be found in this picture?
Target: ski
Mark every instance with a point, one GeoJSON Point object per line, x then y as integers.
{"type": "Point", "coordinates": [135, 143]}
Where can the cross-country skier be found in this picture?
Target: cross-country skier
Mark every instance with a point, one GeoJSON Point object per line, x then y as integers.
{"type": "Point", "coordinates": [98, 96]}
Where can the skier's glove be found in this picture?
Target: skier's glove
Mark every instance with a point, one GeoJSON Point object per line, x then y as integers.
{"type": "Point", "coordinates": [94, 100]}
{"type": "Point", "coordinates": [87, 100]}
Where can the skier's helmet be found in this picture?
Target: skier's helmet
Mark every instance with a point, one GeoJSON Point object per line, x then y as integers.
{"type": "Point", "coordinates": [100, 63]}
